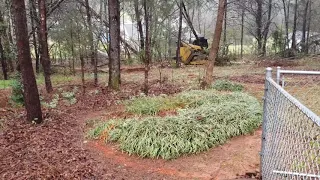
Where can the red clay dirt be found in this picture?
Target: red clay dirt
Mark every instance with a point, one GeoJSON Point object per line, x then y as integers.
{"type": "Point", "coordinates": [55, 149]}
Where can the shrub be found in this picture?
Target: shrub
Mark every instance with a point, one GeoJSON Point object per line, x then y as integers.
{"type": "Point", "coordinates": [17, 90]}
{"type": "Point", "coordinates": [4, 84]}
{"type": "Point", "coordinates": [224, 85]}
{"type": "Point", "coordinates": [69, 97]}
{"type": "Point", "coordinates": [54, 102]}
{"type": "Point", "coordinates": [209, 120]}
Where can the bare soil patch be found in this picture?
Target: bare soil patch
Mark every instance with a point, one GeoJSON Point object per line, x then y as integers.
{"type": "Point", "coordinates": [278, 62]}
{"type": "Point", "coordinates": [132, 69]}
{"type": "Point", "coordinates": [255, 79]}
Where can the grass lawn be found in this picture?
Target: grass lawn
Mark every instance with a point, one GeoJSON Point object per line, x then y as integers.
{"type": "Point", "coordinates": [4, 84]}
{"type": "Point", "coordinates": [56, 80]}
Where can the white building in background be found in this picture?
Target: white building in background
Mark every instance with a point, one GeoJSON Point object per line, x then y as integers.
{"type": "Point", "coordinates": [313, 41]}
{"type": "Point", "coordinates": [130, 33]}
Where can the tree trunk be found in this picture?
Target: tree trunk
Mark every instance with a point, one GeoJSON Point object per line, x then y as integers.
{"type": "Point", "coordinates": [178, 57]}
{"type": "Point", "coordinates": [286, 9]}
{"type": "Point", "coordinates": [308, 28]}
{"type": "Point", "coordinates": [215, 44]}
{"type": "Point", "coordinates": [140, 29]}
{"type": "Point", "coordinates": [43, 41]}
{"type": "Point", "coordinates": [82, 63]}
{"type": "Point", "coordinates": [82, 74]}
{"type": "Point", "coordinates": [169, 37]}
{"type": "Point", "coordinates": [192, 20]}
{"type": "Point", "coordinates": [60, 53]}
{"type": "Point", "coordinates": [242, 31]}
{"type": "Point", "coordinates": [91, 44]}
{"type": "Point", "coordinates": [225, 29]}
{"type": "Point", "coordinates": [139, 23]}
{"type": "Point", "coordinates": [259, 35]}
{"type": "Point", "coordinates": [3, 61]}
{"type": "Point", "coordinates": [33, 15]}
{"type": "Point", "coordinates": [235, 43]}
{"type": "Point", "coordinates": [148, 50]}
{"type": "Point", "coordinates": [7, 49]}
{"type": "Point", "coordinates": [294, 30]}
{"type": "Point", "coordinates": [31, 94]}
{"type": "Point", "coordinates": [187, 17]}
{"type": "Point", "coordinates": [199, 4]}
{"type": "Point", "coordinates": [2, 53]}
{"type": "Point", "coordinates": [266, 29]}
{"type": "Point", "coordinates": [8, 40]}
{"type": "Point", "coordinates": [72, 52]}
{"type": "Point", "coordinates": [10, 24]}
{"type": "Point", "coordinates": [304, 27]}
{"type": "Point", "coordinates": [114, 44]}
{"type": "Point", "coordinates": [127, 52]}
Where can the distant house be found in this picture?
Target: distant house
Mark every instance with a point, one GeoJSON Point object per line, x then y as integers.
{"type": "Point", "coordinates": [314, 41]}
{"type": "Point", "coordinates": [130, 32]}
{"type": "Point", "coordinates": [314, 44]}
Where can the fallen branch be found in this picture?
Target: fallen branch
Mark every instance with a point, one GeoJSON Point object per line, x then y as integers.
{"type": "Point", "coordinates": [59, 65]}
{"type": "Point", "coordinates": [102, 65]}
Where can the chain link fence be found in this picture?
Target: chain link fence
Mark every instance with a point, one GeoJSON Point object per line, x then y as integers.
{"type": "Point", "coordinates": [303, 85]}
{"type": "Point", "coordinates": [291, 131]}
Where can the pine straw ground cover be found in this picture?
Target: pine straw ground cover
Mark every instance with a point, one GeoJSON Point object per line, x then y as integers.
{"type": "Point", "coordinates": [55, 149]}
{"type": "Point", "coordinates": [208, 118]}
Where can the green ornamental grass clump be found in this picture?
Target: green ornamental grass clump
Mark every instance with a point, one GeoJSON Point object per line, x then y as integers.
{"type": "Point", "coordinates": [153, 105]}
{"type": "Point", "coordinates": [17, 90]}
{"type": "Point", "coordinates": [208, 119]}
{"type": "Point", "coordinates": [224, 85]}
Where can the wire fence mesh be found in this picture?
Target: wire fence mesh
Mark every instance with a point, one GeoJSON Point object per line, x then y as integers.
{"type": "Point", "coordinates": [291, 135]}
{"type": "Point", "coordinates": [303, 85]}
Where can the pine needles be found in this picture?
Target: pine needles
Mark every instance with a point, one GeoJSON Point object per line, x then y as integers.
{"type": "Point", "coordinates": [208, 119]}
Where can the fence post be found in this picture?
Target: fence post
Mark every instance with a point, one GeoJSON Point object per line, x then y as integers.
{"type": "Point", "coordinates": [278, 74]}
{"type": "Point", "coordinates": [265, 120]}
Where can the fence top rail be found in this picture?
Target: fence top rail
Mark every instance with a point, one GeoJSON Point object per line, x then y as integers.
{"type": "Point", "coordinates": [299, 72]}
{"type": "Point", "coordinates": [315, 118]}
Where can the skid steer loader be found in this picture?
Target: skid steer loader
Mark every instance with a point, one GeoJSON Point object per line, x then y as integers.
{"type": "Point", "coordinates": [194, 53]}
